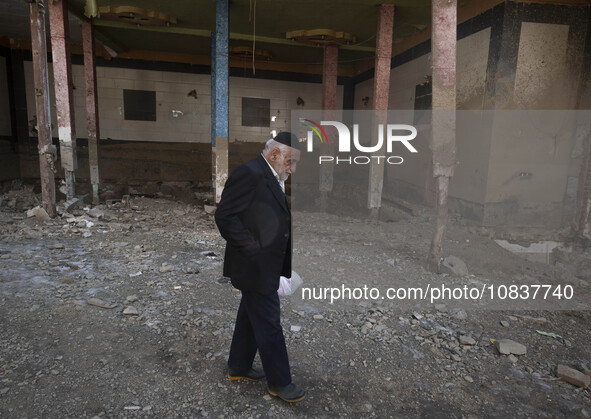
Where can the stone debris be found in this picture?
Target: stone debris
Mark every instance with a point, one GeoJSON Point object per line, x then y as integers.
{"type": "Point", "coordinates": [572, 376]}
{"type": "Point", "coordinates": [209, 209]}
{"type": "Point", "coordinates": [39, 213]}
{"type": "Point", "coordinates": [96, 213]}
{"type": "Point", "coordinates": [467, 340]}
{"type": "Point", "coordinates": [69, 205]}
{"type": "Point", "coordinates": [100, 303]}
{"type": "Point", "coordinates": [131, 311]}
{"type": "Point", "coordinates": [165, 329]}
{"type": "Point", "coordinates": [453, 265]}
{"type": "Point", "coordinates": [508, 346]}
{"type": "Point", "coordinates": [166, 268]}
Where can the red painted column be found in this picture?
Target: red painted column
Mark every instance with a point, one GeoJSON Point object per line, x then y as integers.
{"type": "Point", "coordinates": [47, 152]}
{"type": "Point", "coordinates": [329, 104]}
{"type": "Point", "coordinates": [444, 22]}
{"type": "Point", "coordinates": [381, 90]}
{"type": "Point", "coordinates": [64, 97]}
{"type": "Point", "coordinates": [92, 116]}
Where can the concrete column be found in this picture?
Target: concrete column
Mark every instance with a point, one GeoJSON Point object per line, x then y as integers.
{"type": "Point", "coordinates": [220, 98]}
{"type": "Point", "coordinates": [47, 152]}
{"type": "Point", "coordinates": [92, 117]}
{"type": "Point", "coordinates": [64, 97]}
{"type": "Point", "coordinates": [329, 105]}
{"type": "Point", "coordinates": [443, 57]}
{"type": "Point", "coordinates": [381, 90]}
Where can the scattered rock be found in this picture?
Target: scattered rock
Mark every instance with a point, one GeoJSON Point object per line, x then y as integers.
{"type": "Point", "coordinates": [209, 209]}
{"type": "Point", "coordinates": [70, 204]}
{"type": "Point", "coordinates": [166, 268]}
{"type": "Point", "coordinates": [504, 323]}
{"type": "Point", "coordinates": [453, 265]}
{"type": "Point", "coordinates": [131, 311]}
{"type": "Point", "coordinates": [96, 213]}
{"type": "Point", "coordinates": [459, 314]}
{"type": "Point", "coordinates": [508, 346]}
{"type": "Point", "coordinates": [467, 340]}
{"type": "Point", "coordinates": [295, 328]}
{"type": "Point", "coordinates": [318, 317]}
{"type": "Point", "coordinates": [572, 376]}
{"type": "Point", "coordinates": [39, 213]}
{"type": "Point", "coordinates": [512, 358]}
{"type": "Point", "coordinates": [191, 269]}
{"type": "Point", "coordinates": [100, 303]}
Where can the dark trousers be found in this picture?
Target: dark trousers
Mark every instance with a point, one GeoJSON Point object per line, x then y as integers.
{"type": "Point", "coordinates": [258, 327]}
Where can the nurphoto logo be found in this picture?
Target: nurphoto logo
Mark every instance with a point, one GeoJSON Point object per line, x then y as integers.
{"type": "Point", "coordinates": [389, 134]}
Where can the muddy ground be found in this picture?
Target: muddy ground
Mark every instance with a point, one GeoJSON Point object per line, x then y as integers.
{"type": "Point", "coordinates": [121, 311]}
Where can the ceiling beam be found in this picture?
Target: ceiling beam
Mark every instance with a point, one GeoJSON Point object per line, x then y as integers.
{"type": "Point", "coordinates": [106, 40]}
{"type": "Point", "coordinates": [206, 33]}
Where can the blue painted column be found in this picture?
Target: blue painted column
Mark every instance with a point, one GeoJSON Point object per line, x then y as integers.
{"type": "Point", "coordinates": [220, 98]}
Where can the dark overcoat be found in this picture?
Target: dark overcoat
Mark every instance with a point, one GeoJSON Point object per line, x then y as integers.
{"type": "Point", "coordinates": [254, 218]}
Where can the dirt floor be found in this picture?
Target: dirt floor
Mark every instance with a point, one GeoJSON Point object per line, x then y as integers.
{"type": "Point", "coordinates": [121, 311]}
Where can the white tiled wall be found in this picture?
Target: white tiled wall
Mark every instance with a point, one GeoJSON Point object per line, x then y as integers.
{"type": "Point", "coordinates": [5, 126]}
{"type": "Point", "coordinates": [194, 125]}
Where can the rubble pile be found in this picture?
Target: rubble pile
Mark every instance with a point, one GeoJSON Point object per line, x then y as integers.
{"type": "Point", "coordinates": [121, 310]}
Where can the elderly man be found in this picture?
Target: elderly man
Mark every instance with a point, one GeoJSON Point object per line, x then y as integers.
{"type": "Point", "coordinates": [254, 218]}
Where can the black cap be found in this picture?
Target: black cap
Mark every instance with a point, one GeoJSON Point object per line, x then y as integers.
{"type": "Point", "coordinates": [288, 139]}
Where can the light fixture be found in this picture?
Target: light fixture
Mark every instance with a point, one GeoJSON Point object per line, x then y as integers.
{"type": "Point", "coordinates": [136, 16]}
{"type": "Point", "coordinates": [321, 37]}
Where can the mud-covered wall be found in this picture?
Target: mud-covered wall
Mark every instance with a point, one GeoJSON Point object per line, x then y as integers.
{"type": "Point", "coordinates": [515, 168]}
{"type": "Point", "coordinates": [413, 180]}
{"type": "Point", "coordinates": [530, 148]}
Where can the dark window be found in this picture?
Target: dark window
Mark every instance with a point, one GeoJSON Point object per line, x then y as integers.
{"type": "Point", "coordinates": [256, 112]}
{"type": "Point", "coordinates": [139, 105]}
{"type": "Point", "coordinates": [423, 96]}
{"type": "Point", "coordinates": [423, 99]}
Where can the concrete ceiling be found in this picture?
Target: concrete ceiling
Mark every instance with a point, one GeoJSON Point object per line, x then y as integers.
{"type": "Point", "coordinates": [266, 20]}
